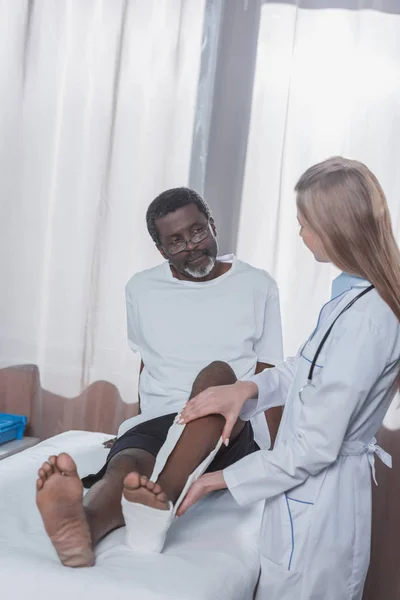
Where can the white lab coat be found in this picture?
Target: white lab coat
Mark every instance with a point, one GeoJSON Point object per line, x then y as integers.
{"type": "Point", "coordinates": [315, 536]}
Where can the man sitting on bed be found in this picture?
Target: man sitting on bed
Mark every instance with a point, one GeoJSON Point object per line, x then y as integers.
{"type": "Point", "coordinates": [190, 320]}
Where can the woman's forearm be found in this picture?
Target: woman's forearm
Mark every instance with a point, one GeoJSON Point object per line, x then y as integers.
{"type": "Point", "coordinates": [272, 389]}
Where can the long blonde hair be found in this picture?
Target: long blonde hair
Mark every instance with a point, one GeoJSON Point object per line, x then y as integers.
{"type": "Point", "coordinates": [344, 204]}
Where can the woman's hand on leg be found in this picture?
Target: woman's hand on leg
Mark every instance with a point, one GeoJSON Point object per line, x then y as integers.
{"type": "Point", "coordinates": [209, 482]}
{"type": "Point", "coordinates": [225, 400]}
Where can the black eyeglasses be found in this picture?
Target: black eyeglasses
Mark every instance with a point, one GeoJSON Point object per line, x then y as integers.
{"type": "Point", "coordinates": [199, 234]}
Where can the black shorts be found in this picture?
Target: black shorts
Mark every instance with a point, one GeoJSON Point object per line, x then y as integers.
{"type": "Point", "coordinates": [151, 435]}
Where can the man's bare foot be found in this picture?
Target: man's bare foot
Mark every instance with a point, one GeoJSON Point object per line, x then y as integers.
{"type": "Point", "coordinates": [59, 500]}
{"type": "Point", "coordinates": [138, 488]}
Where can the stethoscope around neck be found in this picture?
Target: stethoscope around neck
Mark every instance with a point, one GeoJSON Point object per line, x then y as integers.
{"type": "Point", "coordinates": [321, 344]}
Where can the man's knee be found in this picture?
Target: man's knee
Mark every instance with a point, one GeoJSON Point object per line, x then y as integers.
{"type": "Point", "coordinates": [215, 374]}
{"type": "Point", "coordinates": [222, 371]}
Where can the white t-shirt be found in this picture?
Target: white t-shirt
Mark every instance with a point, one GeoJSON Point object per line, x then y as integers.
{"type": "Point", "coordinates": [179, 327]}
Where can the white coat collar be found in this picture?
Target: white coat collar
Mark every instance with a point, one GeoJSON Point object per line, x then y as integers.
{"type": "Point", "coordinates": [345, 282]}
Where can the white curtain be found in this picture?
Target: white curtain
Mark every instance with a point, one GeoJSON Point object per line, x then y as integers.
{"type": "Point", "coordinates": [97, 107]}
{"type": "Point", "coordinates": [327, 82]}
{"type": "Point", "coordinates": [97, 116]}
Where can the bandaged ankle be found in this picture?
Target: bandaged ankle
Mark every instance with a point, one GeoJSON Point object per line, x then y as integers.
{"type": "Point", "coordinates": [146, 527]}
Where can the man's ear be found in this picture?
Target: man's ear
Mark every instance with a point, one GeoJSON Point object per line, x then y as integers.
{"type": "Point", "coordinates": [162, 251]}
{"type": "Point", "coordinates": [213, 228]}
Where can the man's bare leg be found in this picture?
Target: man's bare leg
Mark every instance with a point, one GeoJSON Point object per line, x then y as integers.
{"type": "Point", "coordinates": [196, 442]}
{"type": "Point", "coordinates": [75, 524]}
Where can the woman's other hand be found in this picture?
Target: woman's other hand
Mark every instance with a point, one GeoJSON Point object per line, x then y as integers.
{"type": "Point", "coordinates": [210, 482]}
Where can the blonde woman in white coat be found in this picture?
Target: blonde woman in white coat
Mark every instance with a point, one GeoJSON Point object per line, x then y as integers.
{"type": "Point", "coordinates": [315, 536]}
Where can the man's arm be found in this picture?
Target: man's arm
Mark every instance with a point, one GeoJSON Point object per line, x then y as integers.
{"type": "Point", "coordinates": [110, 443]}
{"type": "Point", "coordinates": [273, 415]}
{"type": "Point", "coordinates": [269, 349]}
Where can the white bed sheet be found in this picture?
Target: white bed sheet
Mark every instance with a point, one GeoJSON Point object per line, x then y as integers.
{"type": "Point", "coordinates": [211, 552]}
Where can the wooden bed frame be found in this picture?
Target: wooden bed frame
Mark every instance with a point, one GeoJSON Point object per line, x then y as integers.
{"type": "Point", "coordinates": [98, 408]}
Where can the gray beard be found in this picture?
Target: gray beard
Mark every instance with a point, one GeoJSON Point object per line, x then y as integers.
{"type": "Point", "coordinates": [202, 271]}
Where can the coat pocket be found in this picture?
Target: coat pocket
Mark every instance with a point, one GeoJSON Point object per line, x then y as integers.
{"type": "Point", "coordinates": [286, 527]}
{"type": "Point", "coordinates": [276, 582]}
